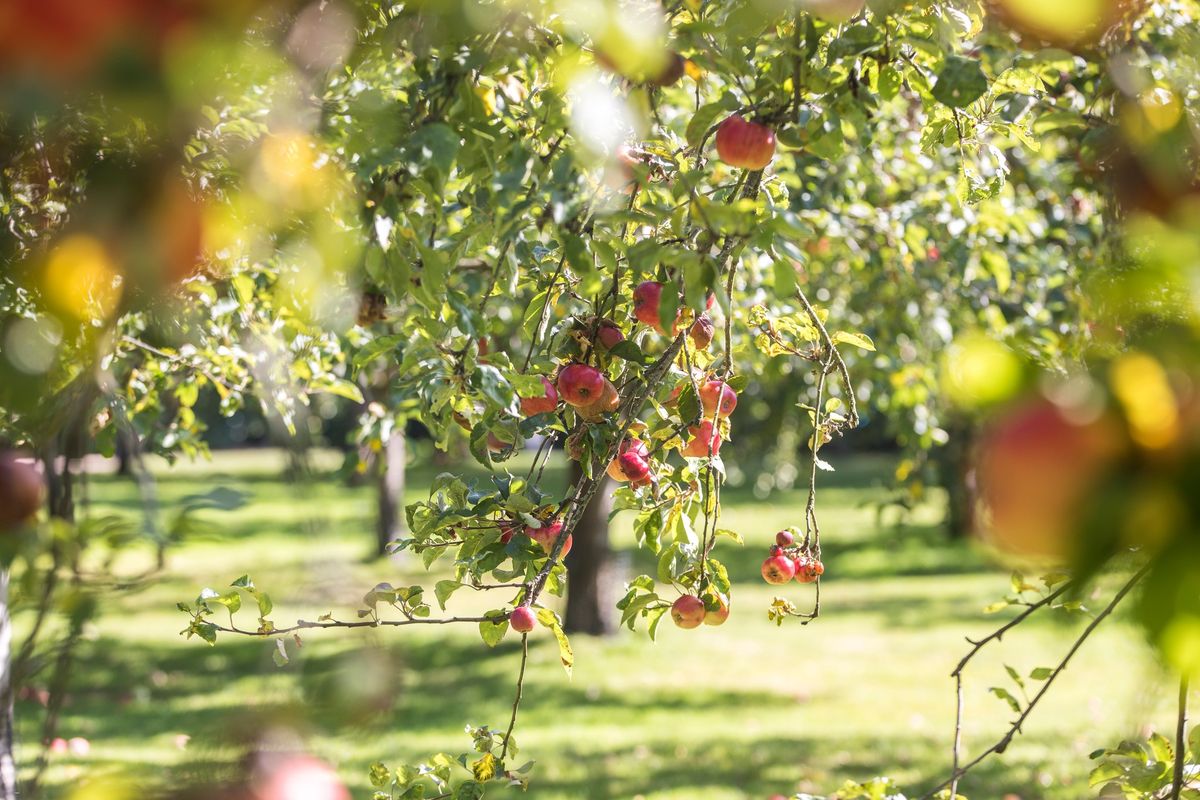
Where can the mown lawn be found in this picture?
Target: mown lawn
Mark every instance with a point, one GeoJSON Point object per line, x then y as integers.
{"type": "Point", "coordinates": [741, 711]}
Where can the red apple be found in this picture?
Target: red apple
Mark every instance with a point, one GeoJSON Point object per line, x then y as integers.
{"type": "Point", "coordinates": [784, 538]}
{"type": "Point", "coordinates": [702, 331]}
{"type": "Point", "coordinates": [645, 303]}
{"type": "Point", "coordinates": [301, 778]}
{"type": "Point", "coordinates": [507, 531]}
{"type": "Point", "coordinates": [547, 535]}
{"type": "Point", "coordinates": [532, 406]}
{"type": "Point", "coordinates": [718, 616]}
{"type": "Point", "coordinates": [808, 569]}
{"type": "Point", "coordinates": [743, 144]}
{"type": "Point", "coordinates": [580, 385]}
{"type": "Point", "coordinates": [1036, 470]}
{"type": "Point", "coordinates": [688, 611]}
{"type": "Point", "coordinates": [636, 467]}
{"type": "Point", "coordinates": [778, 569]}
{"type": "Point", "coordinates": [609, 335]}
{"type": "Point", "coordinates": [702, 436]}
{"type": "Point", "coordinates": [717, 397]}
{"type": "Point", "coordinates": [21, 491]}
{"type": "Point", "coordinates": [522, 619]}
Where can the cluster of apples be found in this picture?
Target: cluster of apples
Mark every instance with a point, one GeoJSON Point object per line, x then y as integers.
{"type": "Point", "coordinates": [787, 560]}
{"type": "Point", "coordinates": [690, 611]}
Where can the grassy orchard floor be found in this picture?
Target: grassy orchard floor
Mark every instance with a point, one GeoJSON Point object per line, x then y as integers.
{"type": "Point", "coordinates": [741, 711]}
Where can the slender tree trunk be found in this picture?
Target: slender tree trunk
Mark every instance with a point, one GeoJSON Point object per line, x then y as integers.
{"type": "Point", "coordinates": [956, 470]}
{"type": "Point", "coordinates": [126, 450]}
{"type": "Point", "coordinates": [389, 468]}
{"type": "Point", "coordinates": [589, 564]}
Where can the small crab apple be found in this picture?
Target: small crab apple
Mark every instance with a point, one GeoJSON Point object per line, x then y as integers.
{"type": "Point", "coordinates": [701, 437]}
{"type": "Point", "coordinates": [718, 615]}
{"type": "Point", "coordinates": [702, 331]}
{"type": "Point", "coordinates": [784, 538]}
{"type": "Point", "coordinates": [522, 619]}
{"type": "Point", "coordinates": [609, 335]}
{"type": "Point", "coordinates": [808, 569]}
{"type": "Point", "coordinates": [778, 569]}
{"type": "Point", "coordinates": [688, 611]}
{"type": "Point", "coordinates": [717, 397]}
{"type": "Point", "coordinates": [580, 385]}
{"type": "Point", "coordinates": [547, 535]}
{"type": "Point", "coordinates": [747, 145]}
{"type": "Point", "coordinates": [532, 406]}
{"type": "Point", "coordinates": [645, 303]}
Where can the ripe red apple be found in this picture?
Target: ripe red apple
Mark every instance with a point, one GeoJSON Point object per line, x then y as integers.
{"type": "Point", "coordinates": [717, 397]}
{"type": "Point", "coordinates": [609, 335]}
{"type": "Point", "coordinates": [522, 619]}
{"type": "Point", "coordinates": [547, 535]}
{"type": "Point", "coordinates": [701, 436]}
{"type": "Point", "coordinates": [808, 569]}
{"type": "Point", "coordinates": [702, 331]}
{"type": "Point", "coordinates": [580, 385]}
{"type": "Point", "coordinates": [778, 569]}
{"type": "Point", "coordinates": [743, 144]}
{"type": "Point", "coordinates": [784, 539]}
{"type": "Point", "coordinates": [507, 531]}
{"type": "Point", "coordinates": [645, 303]}
{"type": "Point", "coordinates": [21, 491]}
{"type": "Point", "coordinates": [636, 468]}
{"type": "Point", "coordinates": [718, 616]}
{"type": "Point", "coordinates": [1036, 468]}
{"type": "Point", "coordinates": [301, 778]}
{"type": "Point", "coordinates": [532, 406]}
{"type": "Point", "coordinates": [688, 611]}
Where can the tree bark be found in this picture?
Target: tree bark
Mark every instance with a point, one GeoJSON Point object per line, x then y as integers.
{"type": "Point", "coordinates": [389, 467]}
{"type": "Point", "coordinates": [589, 565]}
{"type": "Point", "coordinates": [957, 475]}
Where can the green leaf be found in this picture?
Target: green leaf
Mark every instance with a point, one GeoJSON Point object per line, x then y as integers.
{"type": "Point", "coordinates": [628, 350]}
{"type": "Point", "coordinates": [1041, 673]}
{"type": "Point", "coordinates": [443, 589]}
{"type": "Point", "coordinates": [493, 630]}
{"type": "Point", "coordinates": [703, 119]}
{"type": "Point", "coordinates": [1007, 697]}
{"type": "Point", "coordinates": [960, 83]}
{"type": "Point", "coordinates": [857, 339]}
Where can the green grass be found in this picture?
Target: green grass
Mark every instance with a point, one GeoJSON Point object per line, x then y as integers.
{"type": "Point", "coordinates": [742, 711]}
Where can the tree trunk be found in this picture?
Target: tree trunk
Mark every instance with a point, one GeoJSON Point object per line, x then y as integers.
{"type": "Point", "coordinates": [389, 468]}
{"type": "Point", "coordinates": [956, 472]}
{"type": "Point", "coordinates": [126, 450]}
{"type": "Point", "coordinates": [589, 564]}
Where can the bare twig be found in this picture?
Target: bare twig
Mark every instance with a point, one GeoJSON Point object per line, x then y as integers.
{"type": "Point", "coordinates": [512, 722]}
{"type": "Point", "coordinates": [852, 420]}
{"type": "Point", "coordinates": [1002, 744]}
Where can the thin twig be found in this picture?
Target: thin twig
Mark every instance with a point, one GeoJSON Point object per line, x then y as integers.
{"type": "Point", "coordinates": [303, 624]}
{"type": "Point", "coordinates": [1002, 744]}
{"type": "Point", "coordinates": [852, 420]}
{"type": "Point", "coordinates": [512, 722]}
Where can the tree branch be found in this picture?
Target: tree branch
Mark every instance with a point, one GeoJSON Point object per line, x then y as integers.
{"type": "Point", "coordinates": [1002, 744]}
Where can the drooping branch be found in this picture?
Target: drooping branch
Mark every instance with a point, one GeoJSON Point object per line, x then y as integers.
{"type": "Point", "coordinates": [839, 362]}
{"type": "Point", "coordinates": [1002, 744]}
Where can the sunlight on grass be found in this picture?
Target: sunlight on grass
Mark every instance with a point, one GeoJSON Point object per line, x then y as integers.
{"type": "Point", "coordinates": [742, 711]}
